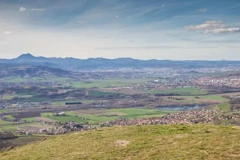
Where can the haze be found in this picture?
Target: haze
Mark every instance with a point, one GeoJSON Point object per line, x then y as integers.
{"type": "Point", "coordinates": [142, 29]}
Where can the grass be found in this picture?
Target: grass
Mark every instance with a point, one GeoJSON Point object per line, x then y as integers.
{"type": "Point", "coordinates": [108, 83]}
{"type": "Point", "coordinates": [11, 96]}
{"type": "Point", "coordinates": [214, 97]}
{"type": "Point", "coordinates": [29, 119]}
{"type": "Point", "coordinates": [181, 91]}
{"type": "Point", "coordinates": [164, 142]}
{"type": "Point", "coordinates": [23, 140]}
{"type": "Point", "coordinates": [224, 107]}
{"type": "Point", "coordinates": [107, 115]}
{"type": "Point", "coordinates": [218, 98]}
{"type": "Point", "coordinates": [4, 123]}
{"type": "Point", "coordinates": [10, 117]}
{"type": "Point", "coordinates": [94, 93]}
{"type": "Point", "coordinates": [66, 118]}
{"type": "Point", "coordinates": [15, 126]}
{"type": "Point", "coordinates": [131, 113]}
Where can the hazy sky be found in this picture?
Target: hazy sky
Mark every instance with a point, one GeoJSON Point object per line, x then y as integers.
{"type": "Point", "coordinates": [143, 29]}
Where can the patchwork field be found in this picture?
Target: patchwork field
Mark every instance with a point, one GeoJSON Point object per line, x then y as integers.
{"type": "Point", "coordinates": [181, 91]}
{"type": "Point", "coordinates": [102, 115]}
{"type": "Point", "coordinates": [108, 83]}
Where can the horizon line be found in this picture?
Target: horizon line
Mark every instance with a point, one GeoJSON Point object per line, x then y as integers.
{"type": "Point", "coordinates": [30, 54]}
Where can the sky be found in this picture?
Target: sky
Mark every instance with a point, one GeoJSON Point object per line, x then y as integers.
{"type": "Point", "coordinates": [141, 29]}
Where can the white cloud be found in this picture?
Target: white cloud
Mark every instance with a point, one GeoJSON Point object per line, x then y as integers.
{"type": "Point", "coordinates": [223, 30]}
{"type": "Point", "coordinates": [38, 9]}
{"type": "Point", "coordinates": [7, 32]}
{"type": "Point", "coordinates": [22, 9]}
{"type": "Point", "coordinates": [215, 27]}
{"type": "Point", "coordinates": [206, 25]}
{"type": "Point", "coordinates": [202, 10]}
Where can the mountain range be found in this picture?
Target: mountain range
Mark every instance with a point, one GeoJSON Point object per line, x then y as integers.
{"type": "Point", "coordinates": [103, 63]}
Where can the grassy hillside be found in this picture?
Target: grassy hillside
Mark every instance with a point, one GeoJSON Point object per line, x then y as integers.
{"type": "Point", "coordinates": [137, 142]}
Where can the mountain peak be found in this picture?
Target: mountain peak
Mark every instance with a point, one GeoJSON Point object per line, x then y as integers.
{"type": "Point", "coordinates": [26, 56]}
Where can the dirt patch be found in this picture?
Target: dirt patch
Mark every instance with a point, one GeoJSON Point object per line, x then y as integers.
{"type": "Point", "coordinates": [236, 127]}
{"type": "Point", "coordinates": [181, 135]}
{"type": "Point", "coordinates": [122, 143]}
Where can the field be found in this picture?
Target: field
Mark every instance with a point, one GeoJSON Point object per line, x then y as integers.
{"type": "Point", "coordinates": [14, 127]}
{"type": "Point", "coordinates": [224, 107]}
{"type": "Point", "coordinates": [137, 142]}
{"type": "Point", "coordinates": [181, 91]}
{"type": "Point", "coordinates": [107, 83]}
{"type": "Point", "coordinates": [98, 116]}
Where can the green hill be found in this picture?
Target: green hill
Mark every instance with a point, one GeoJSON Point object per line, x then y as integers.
{"type": "Point", "coordinates": [137, 142]}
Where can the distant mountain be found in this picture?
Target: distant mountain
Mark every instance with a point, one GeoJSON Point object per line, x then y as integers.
{"type": "Point", "coordinates": [103, 63]}
{"type": "Point", "coordinates": [26, 56]}
{"type": "Point", "coordinates": [33, 71]}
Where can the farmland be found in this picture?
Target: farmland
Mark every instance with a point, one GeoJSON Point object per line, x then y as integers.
{"type": "Point", "coordinates": [108, 83]}
{"type": "Point", "coordinates": [181, 91]}
{"type": "Point", "coordinates": [98, 116]}
{"type": "Point", "coordinates": [52, 104]}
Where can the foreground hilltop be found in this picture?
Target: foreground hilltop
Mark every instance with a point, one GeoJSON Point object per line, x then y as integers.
{"type": "Point", "coordinates": [137, 142]}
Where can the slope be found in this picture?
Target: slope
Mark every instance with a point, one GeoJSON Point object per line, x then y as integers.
{"type": "Point", "coordinates": [137, 142]}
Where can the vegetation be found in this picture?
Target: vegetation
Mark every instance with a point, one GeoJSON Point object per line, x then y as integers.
{"type": "Point", "coordinates": [224, 107]}
{"type": "Point", "coordinates": [108, 83]}
{"type": "Point", "coordinates": [181, 91]}
{"type": "Point", "coordinates": [98, 116]}
{"type": "Point", "coordinates": [137, 142]}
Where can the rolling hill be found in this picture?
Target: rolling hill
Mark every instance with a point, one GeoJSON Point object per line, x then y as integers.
{"type": "Point", "coordinates": [136, 142]}
{"type": "Point", "coordinates": [33, 71]}
{"type": "Point", "coordinates": [104, 63]}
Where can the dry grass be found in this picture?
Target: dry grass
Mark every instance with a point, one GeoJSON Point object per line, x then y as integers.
{"type": "Point", "coordinates": [140, 142]}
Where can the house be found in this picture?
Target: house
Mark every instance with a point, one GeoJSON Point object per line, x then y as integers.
{"type": "Point", "coordinates": [61, 114]}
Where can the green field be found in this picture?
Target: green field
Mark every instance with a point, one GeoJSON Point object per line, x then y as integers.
{"type": "Point", "coordinates": [106, 115]}
{"type": "Point", "coordinates": [165, 142]}
{"type": "Point", "coordinates": [10, 117]}
{"type": "Point", "coordinates": [214, 97]}
{"type": "Point", "coordinates": [107, 83]}
{"type": "Point", "coordinates": [11, 96]}
{"type": "Point", "coordinates": [95, 93]}
{"type": "Point", "coordinates": [180, 91]}
{"type": "Point", "coordinates": [224, 107]}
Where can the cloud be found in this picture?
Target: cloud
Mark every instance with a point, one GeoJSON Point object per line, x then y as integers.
{"type": "Point", "coordinates": [214, 27]}
{"type": "Point", "coordinates": [3, 43]}
{"type": "Point", "coordinates": [38, 9]}
{"type": "Point", "coordinates": [22, 9]}
{"type": "Point", "coordinates": [206, 25]}
{"type": "Point", "coordinates": [202, 10]}
{"type": "Point", "coordinates": [222, 30]}
{"type": "Point", "coordinates": [7, 32]}
{"type": "Point", "coordinates": [138, 47]}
